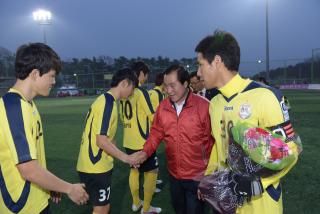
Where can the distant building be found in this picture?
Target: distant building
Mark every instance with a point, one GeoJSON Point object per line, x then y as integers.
{"type": "Point", "coordinates": [106, 59]}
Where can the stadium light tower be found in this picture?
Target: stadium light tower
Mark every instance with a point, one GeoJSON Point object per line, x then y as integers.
{"type": "Point", "coordinates": [43, 18]}
{"type": "Point", "coordinates": [77, 81]}
{"type": "Point", "coordinates": [267, 40]}
{"type": "Point", "coordinates": [312, 63]}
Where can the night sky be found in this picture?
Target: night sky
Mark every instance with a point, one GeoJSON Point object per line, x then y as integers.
{"type": "Point", "coordinates": [170, 28]}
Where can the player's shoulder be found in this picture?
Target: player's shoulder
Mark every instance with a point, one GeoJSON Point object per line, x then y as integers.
{"type": "Point", "coordinates": [103, 99]}
{"type": "Point", "coordinates": [152, 90]}
{"type": "Point", "coordinates": [141, 91]}
{"type": "Point", "coordinates": [264, 91]}
{"type": "Point", "coordinates": [13, 102]}
{"type": "Point", "coordinates": [199, 100]}
{"type": "Point", "coordinates": [11, 97]}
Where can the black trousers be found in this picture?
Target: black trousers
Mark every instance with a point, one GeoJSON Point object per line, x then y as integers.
{"type": "Point", "coordinates": [184, 196]}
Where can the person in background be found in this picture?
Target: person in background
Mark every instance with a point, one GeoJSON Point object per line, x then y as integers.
{"type": "Point", "coordinates": [137, 114]}
{"type": "Point", "coordinates": [157, 94]}
{"type": "Point", "coordinates": [197, 86]}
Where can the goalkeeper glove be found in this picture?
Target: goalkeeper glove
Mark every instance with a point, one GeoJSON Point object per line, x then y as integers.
{"type": "Point", "coordinates": [245, 186]}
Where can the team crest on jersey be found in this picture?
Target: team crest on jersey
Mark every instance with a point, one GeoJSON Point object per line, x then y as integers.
{"type": "Point", "coordinates": [245, 111]}
{"type": "Point", "coordinates": [285, 111]}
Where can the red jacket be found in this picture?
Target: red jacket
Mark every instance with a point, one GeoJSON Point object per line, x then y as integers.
{"type": "Point", "coordinates": [187, 137]}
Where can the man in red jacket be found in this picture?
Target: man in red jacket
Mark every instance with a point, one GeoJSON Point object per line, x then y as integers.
{"type": "Point", "coordinates": [182, 121]}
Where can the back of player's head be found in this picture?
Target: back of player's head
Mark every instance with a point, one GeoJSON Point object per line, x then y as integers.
{"type": "Point", "coordinates": [36, 56]}
{"type": "Point", "coordinates": [263, 80]}
{"type": "Point", "coordinates": [159, 79]}
{"type": "Point", "coordinates": [194, 74]}
{"type": "Point", "coordinates": [223, 44]}
{"type": "Point", "coordinates": [139, 66]}
{"type": "Point", "coordinates": [182, 74]}
{"type": "Point", "coordinates": [124, 74]}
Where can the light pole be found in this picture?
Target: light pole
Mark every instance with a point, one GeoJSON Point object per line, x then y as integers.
{"type": "Point", "coordinates": [76, 76]}
{"type": "Point", "coordinates": [43, 18]}
{"type": "Point", "coordinates": [188, 67]}
{"type": "Point", "coordinates": [312, 63]}
{"type": "Point", "coordinates": [267, 40]}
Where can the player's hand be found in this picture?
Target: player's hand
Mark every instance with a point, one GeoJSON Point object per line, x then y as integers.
{"type": "Point", "coordinates": [55, 197]}
{"type": "Point", "coordinates": [138, 158]}
{"type": "Point", "coordinates": [244, 186]}
{"type": "Point", "coordinates": [132, 160]}
{"type": "Point", "coordinates": [77, 194]}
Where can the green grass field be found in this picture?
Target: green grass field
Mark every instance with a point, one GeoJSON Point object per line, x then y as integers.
{"type": "Point", "coordinates": [63, 119]}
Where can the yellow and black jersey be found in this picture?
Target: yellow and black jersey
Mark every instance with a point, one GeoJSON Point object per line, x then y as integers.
{"type": "Point", "coordinates": [136, 112]}
{"type": "Point", "coordinates": [21, 140]}
{"type": "Point", "coordinates": [102, 119]}
{"type": "Point", "coordinates": [156, 96]}
{"type": "Point", "coordinates": [261, 106]}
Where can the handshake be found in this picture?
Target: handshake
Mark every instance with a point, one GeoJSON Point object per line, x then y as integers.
{"type": "Point", "coordinates": [135, 159]}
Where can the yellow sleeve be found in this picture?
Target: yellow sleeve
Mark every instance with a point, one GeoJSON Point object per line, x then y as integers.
{"type": "Point", "coordinates": [154, 98]}
{"type": "Point", "coordinates": [145, 103]}
{"type": "Point", "coordinates": [213, 161]}
{"type": "Point", "coordinates": [275, 116]}
{"type": "Point", "coordinates": [104, 116]}
{"type": "Point", "coordinates": [18, 130]}
{"type": "Point", "coordinates": [217, 155]}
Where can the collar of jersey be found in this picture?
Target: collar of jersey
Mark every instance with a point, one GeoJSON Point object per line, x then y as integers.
{"type": "Point", "coordinates": [109, 92]}
{"type": "Point", "coordinates": [234, 86]}
{"type": "Point", "coordinates": [12, 90]}
{"type": "Point", "coordinates": [158, 87]}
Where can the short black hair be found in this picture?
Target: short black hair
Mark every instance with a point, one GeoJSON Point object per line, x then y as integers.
{"type": "Point", "coordinates": [122, 74]}
{"type": "Point", "coordinates": [194, 74]}
{"type": "Point", "coordinates": [139, 66]}
{"type": "Point", "coordinates": [182, 73]}
{"type": "Point", "coordinates": [263, 80]}
{"type": "Point", "coordinates": [159, 79]}
{"type": "Point", "coordinates": [36, 56]}
{"type": "Point", "coordinates": [223, 44]}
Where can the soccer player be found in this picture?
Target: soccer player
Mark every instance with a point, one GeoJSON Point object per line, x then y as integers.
{"type": "Point", "coordinates": [241, 99]}
{"type": "Point", "coordinates": [25, 183]}
{"type": "Point", "coordinates": [157, 94]}
{"type": "Point", "coordinates": [137, 112]}
{"type": "Point", "coordinates": [98, 147]}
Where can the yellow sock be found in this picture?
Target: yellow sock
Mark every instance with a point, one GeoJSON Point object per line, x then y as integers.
{"type": "Point", "coordinates": [134, 186]}
{"type": "Point", "coordinates": [149, 186]}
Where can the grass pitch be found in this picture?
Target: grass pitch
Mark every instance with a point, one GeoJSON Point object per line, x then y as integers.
{"type": "Point", "coordinates": [63, 120]}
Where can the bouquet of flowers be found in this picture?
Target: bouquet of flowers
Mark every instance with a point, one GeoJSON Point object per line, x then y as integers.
{"type": "Point", "coordinates": [253, 153]}
{"type": "Point", "coordinates": [257, 152]}
{"type": "Point", "coordinates": [215, 189]}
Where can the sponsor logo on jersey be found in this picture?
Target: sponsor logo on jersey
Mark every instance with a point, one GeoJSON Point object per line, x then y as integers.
{"type": "Point", "coordinates": [245, 111]}
{"type": "Point", "coordinates": [127, 125]}
{"type": "Point", "coordinates": [228, 108]}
